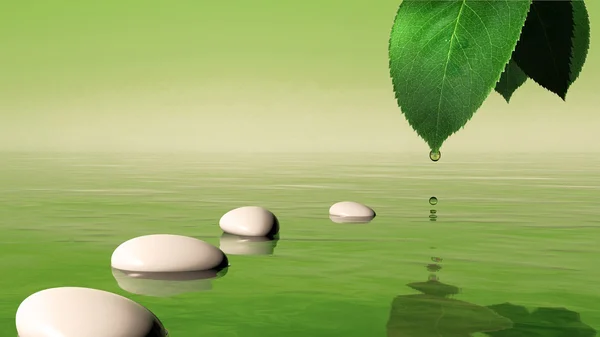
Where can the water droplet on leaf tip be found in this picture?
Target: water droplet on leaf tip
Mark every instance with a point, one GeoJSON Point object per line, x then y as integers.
{"type": "Point", "coordinates": [433, 201]}
{"type": "Point", "coordinates": [435, 155]}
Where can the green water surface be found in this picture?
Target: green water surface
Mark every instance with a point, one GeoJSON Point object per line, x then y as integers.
{"type": "Point", "coordinates": [514, 229]}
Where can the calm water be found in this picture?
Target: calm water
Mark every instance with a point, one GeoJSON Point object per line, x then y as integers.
{"type": "Point", "coordinates": [515, 233]}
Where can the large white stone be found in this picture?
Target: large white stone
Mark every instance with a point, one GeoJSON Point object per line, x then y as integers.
{"type": "Point", "coordinates": [163, 284]}
{"type": "Point", "coordinates": [167, 253]}
{"type": "Point", "coordinates": [247, 245]}
{"type": "Point", "coordinates": [79, 312]}
{"type": "Point", "coordinates": [249, 221]}
{"type": "Point", "coordinates": [351, 209]}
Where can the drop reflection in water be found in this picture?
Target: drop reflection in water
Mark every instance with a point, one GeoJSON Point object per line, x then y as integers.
{"type": "Point", "coordinates": [435, 155]}
{"type": "Point", "coordinates": [350, 219]}
{"type": "Point", "coordinates": [243, 245]}
{"type": "Point", "coordinates": [433, 267]}
{"type": "Point", "coordinates": [166, 284]}
{"type": "Point", "coordinates": [432, 215]}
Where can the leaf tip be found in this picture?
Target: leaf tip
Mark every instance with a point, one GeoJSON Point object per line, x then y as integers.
{"type": "Point", "coordinates": [563, 95]}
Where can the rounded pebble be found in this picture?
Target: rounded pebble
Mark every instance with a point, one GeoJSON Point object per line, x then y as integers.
{"type": "Point", "coordinates": [77, 312]}
{"type": "Point", "coordinates": [167, 253]}
{"type": "Point", "coordinates": [249, 221]}
{"type": "Point", "coordinates": [351, 209]}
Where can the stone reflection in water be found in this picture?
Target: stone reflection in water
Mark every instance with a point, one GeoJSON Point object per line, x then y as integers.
{"type": "Point", "coordinates": [541, 322]}
{"type": "Point", "coordinates": [166, 284]}
{"type": "Point", "coordinates": [433, 314]}
{"type": "Point", "coordinates": [248, 245]}
{"type": "Point", "coordinates": [350, 219]}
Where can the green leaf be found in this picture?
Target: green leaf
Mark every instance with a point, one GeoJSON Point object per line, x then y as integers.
{"type": "Point", "coordinates": [581, 38]}
{"type": "Point", "coordinates": [447, 56]}
{"type": "Point", "coordinates": [511, 79]}
{"type": "Point", "coordinates": [545, 49]}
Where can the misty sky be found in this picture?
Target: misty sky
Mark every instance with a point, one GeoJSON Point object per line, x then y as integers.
{"type": "Point", "coordinates": [243, 76]}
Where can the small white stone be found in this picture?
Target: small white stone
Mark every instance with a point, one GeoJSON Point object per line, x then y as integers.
{"type": "Point", "coordinates": [247, 245]}
{"type": "Point", "coordinates": [78, 312]}
{"type": "Point", "coordinates": [249, 221]}
{"type": "Point", "coordinates": [167, 253]}
{"type": "Point", "coordinates": [351, 209]}
{"type": "Point", "coordinates": [170, 284]}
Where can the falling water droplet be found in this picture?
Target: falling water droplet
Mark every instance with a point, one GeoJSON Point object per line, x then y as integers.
{"type": "Point", "coordinates": [433, 201]}
{"type": "Point", "coordinates": [432, 216]}
{"type": "Point", "coordinates": [435, 155]}
{"type": "Point", "coordinates": [433, 211]}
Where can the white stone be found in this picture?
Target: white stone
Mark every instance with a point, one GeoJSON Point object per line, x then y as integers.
{"type": "Point", "coordinates": [351, 209]}
{"type": "Point", "coordinates": [249, 221]}
{"type": "Point", "coordinates": [247, 245]}
{"type": "Point", "coordinates": [78, 312]}
{"type": "Point", "coordinates": [167, 253]}
{"type": "Point", "coordinates": [146, 285]}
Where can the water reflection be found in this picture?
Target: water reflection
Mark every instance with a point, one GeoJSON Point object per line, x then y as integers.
{"type": "Point", "coordinates": [244, 245]}
{"type": "Point", "coordinates": [433, 267]}
{"type": "Point", "coordinates": [432, 314]}
{"type": "Point", "coordinates": [166, 284]}
{"type": "Point", "coordinates": [350, 219]}
{"type": "Point", "coordinates": [541, 322]}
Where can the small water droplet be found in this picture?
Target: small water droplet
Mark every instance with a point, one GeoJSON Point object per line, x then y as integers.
{"type": "Point", "coordinates": [433, 201]}
{"type": "Point", "coordinates": [435, 155]}
{"type": "Point", "coordinates": [433, 211]}
{"type": "Point", "coordinates": [436, 259]}
{"type": "Point", "coordinates": [433, 216]}
{"type": "Point", "coordinates": [432, 219]}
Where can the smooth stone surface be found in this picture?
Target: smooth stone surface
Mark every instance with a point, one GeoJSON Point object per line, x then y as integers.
{"type": "Point", "coordinates": [247, 245]}
{"type": "Point", "coordinates": [167, 253]}
{"type": "Point", "coordinates": [164, 284]}
{"type": "Point", "coordinates": [249, 221]}
{"type": "Point", "coordinates": [351, 209]}
{"type": "Point", "coordinates": [348, 219]}
{"type": "Point", "coordinates": [79, 312]}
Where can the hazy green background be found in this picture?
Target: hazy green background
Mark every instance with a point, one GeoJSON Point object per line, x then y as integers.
{"type": "Point", "coordinates": [241, 76]}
